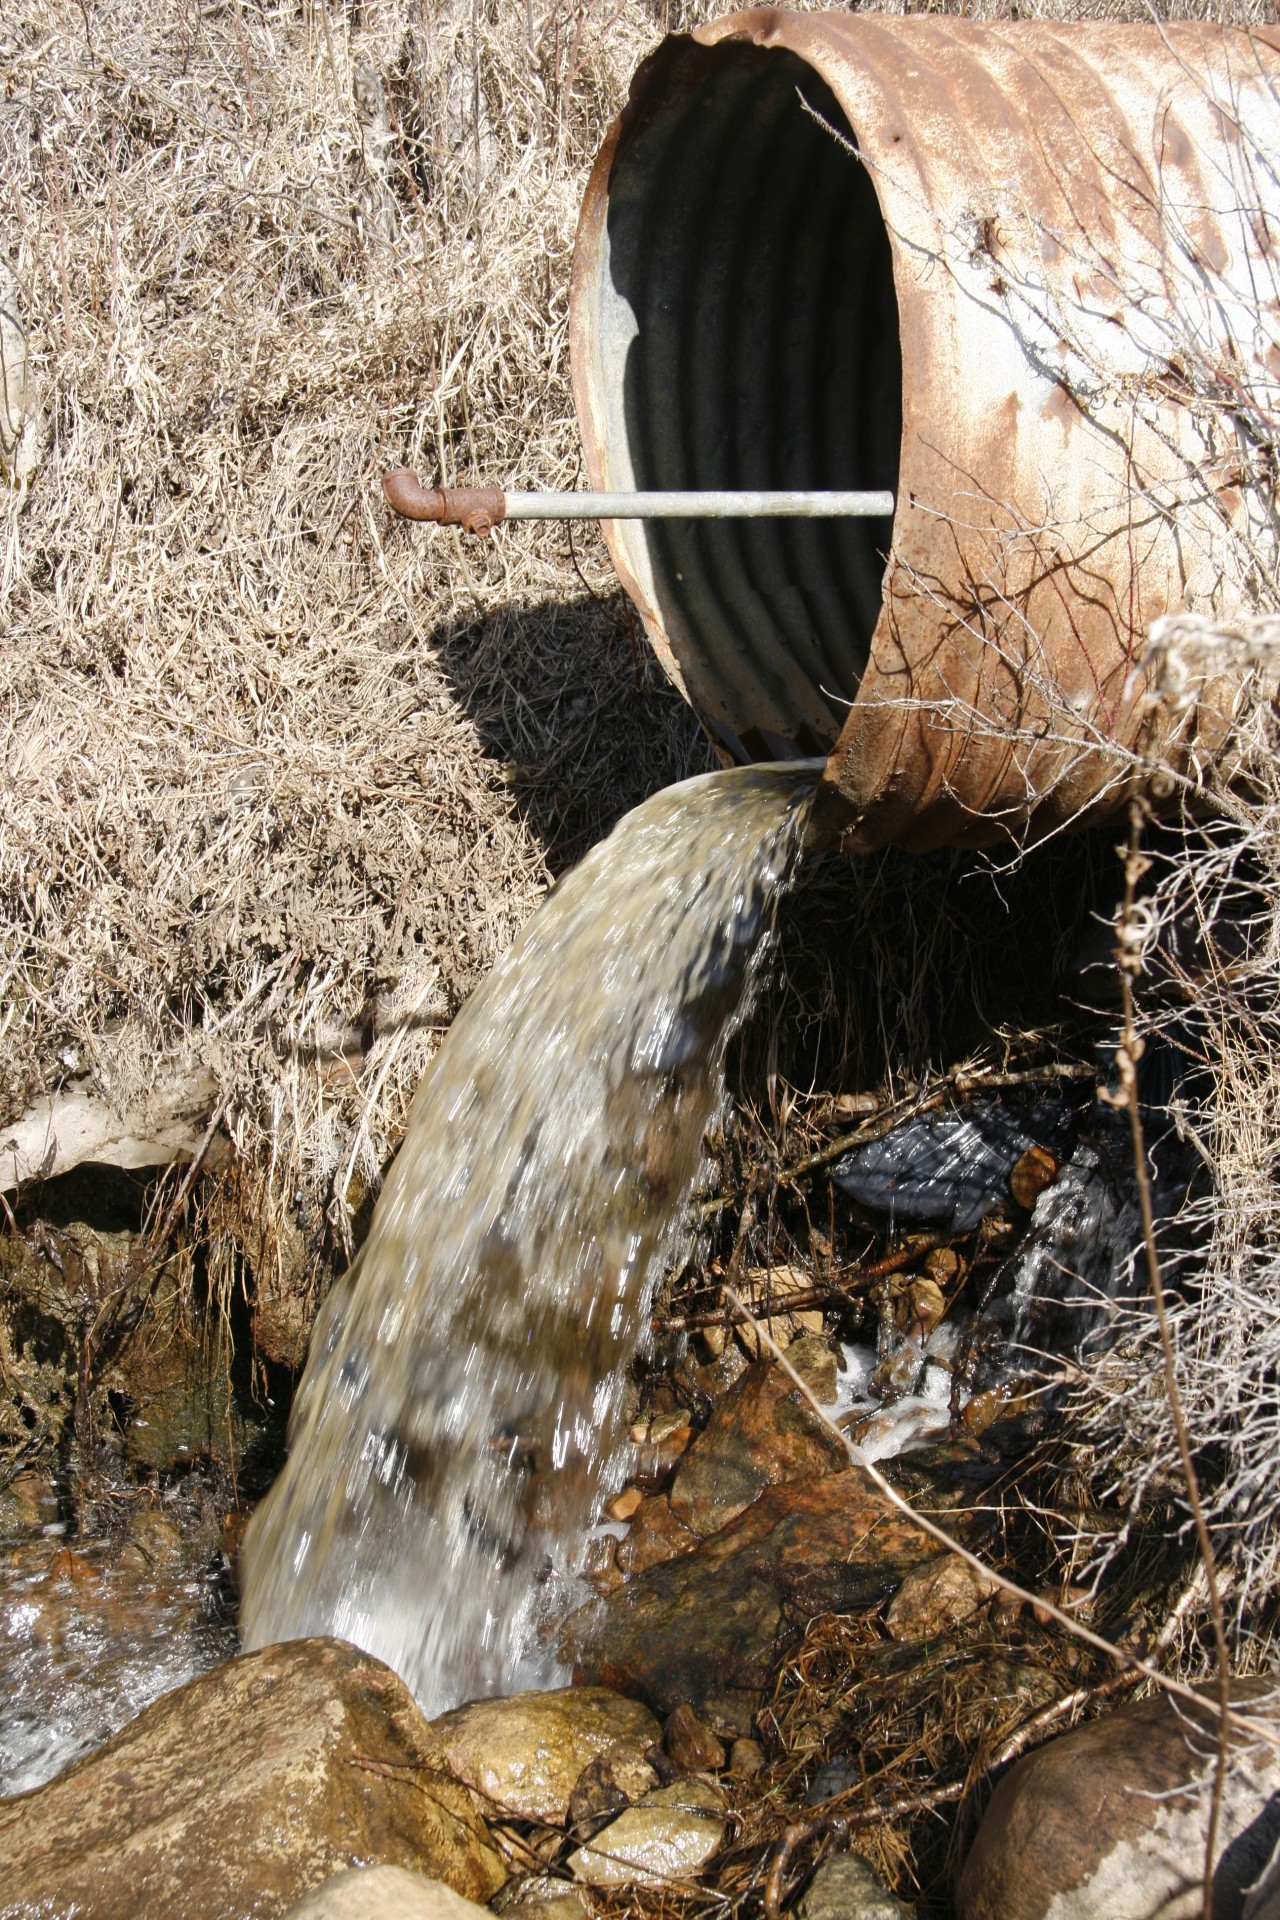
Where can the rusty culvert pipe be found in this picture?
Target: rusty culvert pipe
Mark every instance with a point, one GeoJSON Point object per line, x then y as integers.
{"type": "Point", "coordinates": [1025, 276]}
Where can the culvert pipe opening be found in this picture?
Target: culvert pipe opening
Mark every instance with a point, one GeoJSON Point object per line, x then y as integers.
{"type": "Point", "coordinates": [736, 327]}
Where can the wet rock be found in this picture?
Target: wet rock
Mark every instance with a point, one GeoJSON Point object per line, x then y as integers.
{"type": "Point", "coordinates": [540, 1896]}
{"type": "Point", "coordinates": [692, 1746]}
{"type": "Point", "coordinates": [935, 1598]}
{"type": "Point", "coordinates": [655, 1535]}
{"type": "Point", "coordinates": [526, 1752]}
{"type": "Point", "coordinates": [847, 1887]}
{"type": "Point", "coordinates": [814, 1360]}
{"type": "Point", "coordinates": [238, 1793]}
{"type": "Point", "coordinates": [762, 1433]}
{"type": "Point", "coordinates": [1109, 1822]}
{"type": "Point", "coordinates": [668, 1836]}
{"type": "Point", "coordinates": [1031, 1173]}
{"type": "Point", "coordinates": [708, 1628]}
{"type": "Point", "coordinates": [384, 1893]}
{"type": "Point", "coordinates": [606, 1786]}
{"type": "Point", "coordinates": [623, 1506]}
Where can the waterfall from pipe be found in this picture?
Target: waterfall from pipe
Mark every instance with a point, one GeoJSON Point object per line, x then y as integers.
{"type": "Point", "coordinates": [453, 1432]}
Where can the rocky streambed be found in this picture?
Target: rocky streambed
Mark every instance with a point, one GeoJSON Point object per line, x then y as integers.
{"type": "Point", "coordinates": [784, 1695]}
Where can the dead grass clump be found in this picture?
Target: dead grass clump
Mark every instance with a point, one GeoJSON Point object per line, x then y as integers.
{"type": "Point", "coordinates": [283, 777]}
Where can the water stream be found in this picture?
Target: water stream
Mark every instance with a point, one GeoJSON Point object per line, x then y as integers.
{"type": "Point", "coordinates": [456, 1424]}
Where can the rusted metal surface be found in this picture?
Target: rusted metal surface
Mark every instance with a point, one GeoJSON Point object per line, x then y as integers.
{"type": "Point", "coordinates": [474, 509]}
{"type": "Point", "coordinates": [1024, 276]}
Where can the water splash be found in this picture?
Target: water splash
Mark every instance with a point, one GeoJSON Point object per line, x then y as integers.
{"type": "Point", "coordinates": [460, 1404]}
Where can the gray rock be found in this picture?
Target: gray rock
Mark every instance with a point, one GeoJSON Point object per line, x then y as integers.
{"type": "Point", "coordinates": [1109, 1822]}
{"type": "Point", "coordinates": [845, 1887]}
{"type": "Point", "coordinates": [384, 1893]}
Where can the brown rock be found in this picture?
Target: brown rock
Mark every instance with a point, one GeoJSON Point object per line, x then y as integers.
{"type": "Point", "coordinates": [768, 1287]}
{"type": "Point", "coordinates": [655, 1535]}
{"type": "Point", "coordinates": [1031, 1173]}
{"type": "Point", "coordinates": [236, 1794]}
{"type": "Point", "coordinates": [385, 1893]}
{"type": "Point", "coordinates": [935, 1598]}
{"type": "Point", "coordinates": [709, 1627]}
{"type": "Point", "coordinates": [608, 1784]}
{"type": "Point", "coordinates": [623, 1505]}
{"type": "Point", "coordinates": [693, 1747]}
{"type": "Point", "coordinates": [1109, 1822]}
{"type": "Point", "coordinates": [812, 1357]}
{"type": "Point", "coordinates": [746, 1758]}
{"type": "Point", "coordinates": [526, 1752]}
{"type": "Point", "coordinates": [763, 1432]}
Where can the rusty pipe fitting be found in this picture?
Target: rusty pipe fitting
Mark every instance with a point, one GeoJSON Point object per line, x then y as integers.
{"type": "Point", "coordinates": [474, 509]}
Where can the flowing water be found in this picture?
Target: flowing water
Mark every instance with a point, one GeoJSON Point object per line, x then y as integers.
{"type": "Point", "coordinates": [453, 1433]}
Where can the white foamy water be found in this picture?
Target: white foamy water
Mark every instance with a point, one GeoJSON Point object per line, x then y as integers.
{"type": "Point", "coordinates": [453, 1431]}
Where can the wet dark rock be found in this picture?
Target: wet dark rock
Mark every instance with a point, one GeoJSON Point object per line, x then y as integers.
{"type": "Point", "coordinates": [946, 1169]}
{"type": "Point", "coordinates": [693, 1747]}
{"type": "Point", "coordinates": [708, 1628]}
{"type": "Point", "coordinates": [384, 1893]}
{"type": "Point", "coordinates": [238, 1793]}
{"type": "Point", "coordinates": [526, 1752]}
{"type": "Point", "coordinates": [655, 1535]}
{"type": "Point", "coordinates": [1109, 1822]}
{"type": "Point", "coordinates": [762, 1433]}
{"type": "Point", "coordinates": [847, 1887]}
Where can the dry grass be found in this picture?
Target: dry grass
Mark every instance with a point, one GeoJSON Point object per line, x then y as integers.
{"type": "Point", "coordinates": [282, 776]}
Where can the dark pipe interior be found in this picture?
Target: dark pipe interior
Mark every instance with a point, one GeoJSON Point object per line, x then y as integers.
{"type": "Point", "coordinates": [748, 244]}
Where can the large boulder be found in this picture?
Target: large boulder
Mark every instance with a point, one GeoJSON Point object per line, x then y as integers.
{"type": "Point", "coordinates": [707, 1628]}
{"type": "Point", "coordinates": [525, 1752]}
{"type": "Point", "coordinates": [762, 1433]}
{"type": "Point", "coordinates": [1109, 1822]}
{"type": "Point", "coordinates": [235, 1795]}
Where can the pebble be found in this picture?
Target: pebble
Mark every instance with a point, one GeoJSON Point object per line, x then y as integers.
{"type": "Point", "coordinates": [810, 1356]}
{"type": "Point", "coordinates": [623, 1505]}
{"type": "Point", "coordinates": [691, 1745]}
{"type": "Point", "coordinates": [746, 1758]}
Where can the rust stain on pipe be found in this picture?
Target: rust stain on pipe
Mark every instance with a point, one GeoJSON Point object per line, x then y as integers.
{"type": "Point", "coordinates": [1022, 275]}
{"type": "Point", "coordinates": [474, 509]}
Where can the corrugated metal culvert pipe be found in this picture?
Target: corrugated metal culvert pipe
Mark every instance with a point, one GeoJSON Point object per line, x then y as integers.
{"type": "Point", "coordinates": [1027, 277]}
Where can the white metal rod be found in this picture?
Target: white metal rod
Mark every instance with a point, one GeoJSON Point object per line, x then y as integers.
{"type": "Point", "coordinates": [738, 505]}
